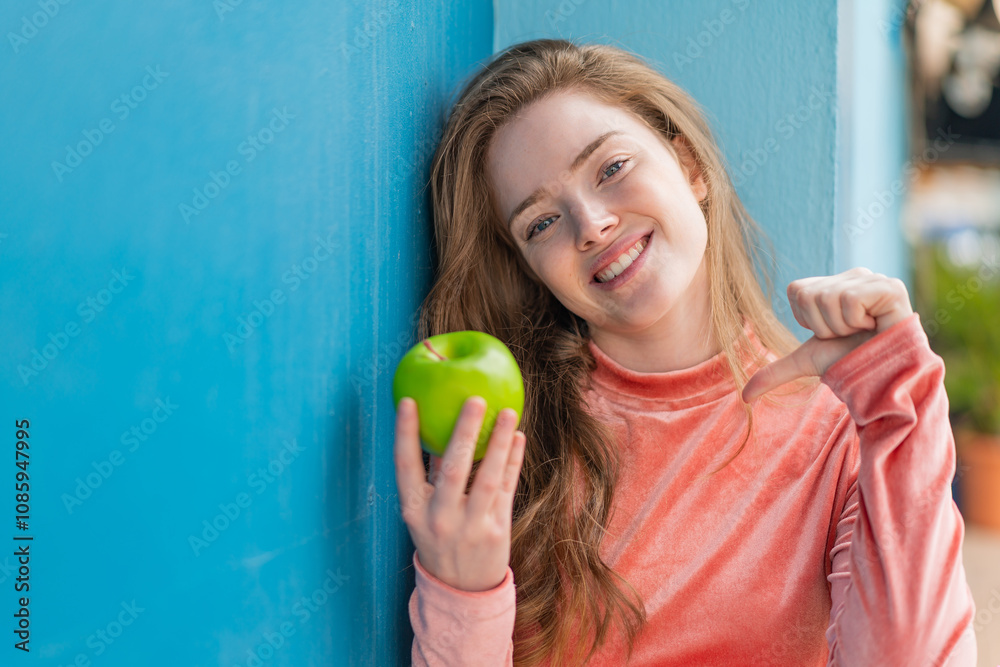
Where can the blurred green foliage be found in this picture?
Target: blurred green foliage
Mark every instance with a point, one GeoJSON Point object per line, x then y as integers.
{"type": "Point", "coordinates": [960, 310]}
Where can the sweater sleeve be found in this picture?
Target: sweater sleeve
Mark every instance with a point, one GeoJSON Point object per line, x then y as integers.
{"type": "Point", "coordinates": [452, 627]}
{"type": "Point", "coordinates": [897, 583]}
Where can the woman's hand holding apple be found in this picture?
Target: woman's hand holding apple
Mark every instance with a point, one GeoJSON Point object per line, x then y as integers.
{"type": "Point", "coordinates": [462, 539]}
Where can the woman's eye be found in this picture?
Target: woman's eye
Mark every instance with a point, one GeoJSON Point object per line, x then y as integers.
{"type": "Point", "coordinates": [614, 164]}
{"type": "Point", "coordinates": [538, 227]}
{"type": "Point", "coordinates": [617, 165]}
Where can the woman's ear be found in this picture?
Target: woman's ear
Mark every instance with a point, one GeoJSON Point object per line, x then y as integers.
{"type": "Point", "coordinates": [690, 166]}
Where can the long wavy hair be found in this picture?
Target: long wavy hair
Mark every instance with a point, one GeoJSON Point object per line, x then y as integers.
{"type": "Point", "coordinates": [482, 282]}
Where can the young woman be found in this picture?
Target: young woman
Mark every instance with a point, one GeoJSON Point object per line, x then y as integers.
{"type": "Point", "coordinates": [649, 508]}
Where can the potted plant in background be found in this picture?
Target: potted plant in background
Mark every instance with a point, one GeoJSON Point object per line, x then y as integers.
{"type": "Point", "coordinates": [959, 303]}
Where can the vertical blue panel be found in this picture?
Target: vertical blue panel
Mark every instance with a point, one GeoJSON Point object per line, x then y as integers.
{"type": "Point", "coordinates": [873, 142]}
{"type": "Point", "coordinates": [766, 75]}
{"type": "Point", "coordinates": [213, 234]}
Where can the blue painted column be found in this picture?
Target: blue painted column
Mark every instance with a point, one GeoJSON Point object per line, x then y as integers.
{"type": "Point", "coordinates": [213, 234]}
{"type": "Point", "coordinates": [873, 169]}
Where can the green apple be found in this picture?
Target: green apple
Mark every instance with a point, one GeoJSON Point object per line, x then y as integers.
{"type": "Point", "coordinates": [441, 372]}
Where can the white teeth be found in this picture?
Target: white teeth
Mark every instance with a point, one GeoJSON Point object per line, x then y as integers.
{"type": "Point", "coordinates": [623, 262]}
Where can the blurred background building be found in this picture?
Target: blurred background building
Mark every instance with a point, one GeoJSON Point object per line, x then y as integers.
{"type": "Point", "coordinates": [951, 221]}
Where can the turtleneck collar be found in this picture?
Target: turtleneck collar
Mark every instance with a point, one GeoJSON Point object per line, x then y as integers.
{"type": "Point", "coordinates": [701, 383]}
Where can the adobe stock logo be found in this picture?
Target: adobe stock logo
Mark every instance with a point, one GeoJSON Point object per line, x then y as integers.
{"type": "Point", "coordinates": [105, 636]}
{"type": "Point", "coordinates": [882, 202]}
{"type": "Point", "coordinates": [249, 148]}
{"type": "Point", "coordinates": [263, 309]}
{"type": "Point", "coordinates": [105, 468]}
{"type": "Point", "coordinates": [122, 106]}
{"type": "Point", "coordinates": [231, 511]}
{"type": "Point", "coordinates": [59, 340]}
{"type": "Point", "coordinates": [272, 641]}
{"type": "Point", "coordinates": [223, 7]}
{"type": "Point", "coordinates": [30, 28]}
{"type": "Point", "coordinates": [704, 39]}
{"type": "Point", "coordinates": [365, 37]}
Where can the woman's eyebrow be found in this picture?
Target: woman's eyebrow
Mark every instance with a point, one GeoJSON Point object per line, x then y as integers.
{"type": "Point", "coordinates": [579, 160]}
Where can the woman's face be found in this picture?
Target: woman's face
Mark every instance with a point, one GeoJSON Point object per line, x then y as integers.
{"type": "Point", "coordinates": [597, 195]}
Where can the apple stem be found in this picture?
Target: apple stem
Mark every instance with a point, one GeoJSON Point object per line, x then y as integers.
{"type": "Point", "coordinates": [427, 343]}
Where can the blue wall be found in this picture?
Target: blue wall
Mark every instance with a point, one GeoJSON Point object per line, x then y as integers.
{"type": "Point", "coordinates": [265, 311]}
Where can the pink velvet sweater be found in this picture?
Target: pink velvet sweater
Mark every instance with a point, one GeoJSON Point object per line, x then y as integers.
{"type": "Point", "coordinates": [832, 539]}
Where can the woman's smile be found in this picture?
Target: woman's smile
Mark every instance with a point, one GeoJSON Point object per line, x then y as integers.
{"type": "Point", "coordinates": [624, 266]}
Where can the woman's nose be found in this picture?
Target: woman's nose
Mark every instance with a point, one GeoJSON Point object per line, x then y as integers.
{"type": "Point", "coordinates": [593, 222]}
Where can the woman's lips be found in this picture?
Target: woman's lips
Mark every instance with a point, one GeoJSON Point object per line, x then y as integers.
{"type": "Point", "coordinates": [631, 270]}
